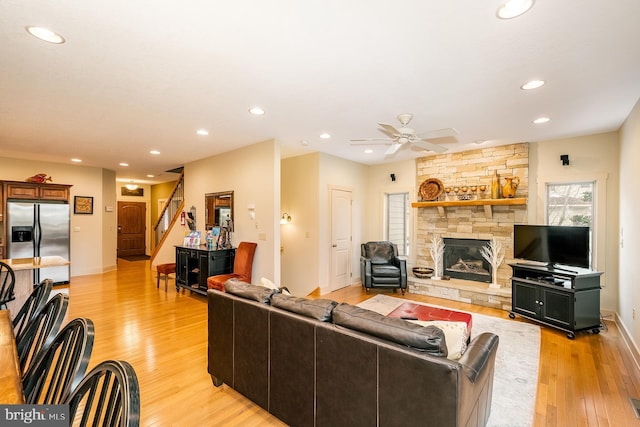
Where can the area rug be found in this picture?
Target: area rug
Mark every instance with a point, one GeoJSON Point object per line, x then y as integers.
{"type": "Point", "coordinates": [516, 372]}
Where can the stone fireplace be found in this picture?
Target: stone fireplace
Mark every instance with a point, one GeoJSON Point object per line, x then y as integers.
{"type": "Point", "coordinates": [462, 260]}
{"type": "Point", "coordinates": [470, 219]}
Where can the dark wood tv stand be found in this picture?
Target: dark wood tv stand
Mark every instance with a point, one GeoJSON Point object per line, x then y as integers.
{"type": "Point", "coordinates": [564, 297]}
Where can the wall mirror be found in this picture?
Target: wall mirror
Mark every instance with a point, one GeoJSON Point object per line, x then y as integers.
{"type": "Point", "coordinates": [219, 208]}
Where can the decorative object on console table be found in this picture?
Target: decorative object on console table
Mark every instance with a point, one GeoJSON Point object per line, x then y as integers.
{"type": "Point", "coordinates": [437, 251]}
{"type": "Point", "coordinates": [494, 255]}
{"type": "Point", "coordinates": [83, 205]}
{"type": "Point", "coordinates": [509, 188]}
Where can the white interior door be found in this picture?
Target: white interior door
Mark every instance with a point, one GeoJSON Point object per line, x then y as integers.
{"type": "Point", "coordinates": [340, 239]}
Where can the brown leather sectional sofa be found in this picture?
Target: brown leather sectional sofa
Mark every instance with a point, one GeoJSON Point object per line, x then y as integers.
{"type": "Point", "coordinates": [319, 363]}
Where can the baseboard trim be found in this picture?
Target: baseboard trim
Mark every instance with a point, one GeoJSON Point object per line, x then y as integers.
{"type": "Point", "coordinates": [633, 348]}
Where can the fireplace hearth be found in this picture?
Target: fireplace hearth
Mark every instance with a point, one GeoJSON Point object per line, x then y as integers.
{"type": "Point", "coordinates": [462, 260]}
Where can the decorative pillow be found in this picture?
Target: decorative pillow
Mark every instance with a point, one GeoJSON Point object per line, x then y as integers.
{"type": "Point", "coordinates": [425, 338]}
{"type": "Point", "coordinates": [249, 291]}
{"type": "Point", "coordinates": [269, 284]}
{"type": "Point", "coordinates": [455, 334]}
{"type": "Point", "coordinates": [319, 309]}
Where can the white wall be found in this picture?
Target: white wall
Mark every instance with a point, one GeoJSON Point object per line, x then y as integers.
{"type": "Point", "coordinates": [629, 221]}
{"type": "Point", "coordinates": [253, 174]}
{"type": "Point", "coordinates": [347, 175]}
{"type": "Point", "coordinates": [89, 245]}
{"type": "Point", "coordinates": [592, 157]}
{"type": "Point", "coordinates": [300, 239]}
{"type": "Point", "coordinates": [379, 184]}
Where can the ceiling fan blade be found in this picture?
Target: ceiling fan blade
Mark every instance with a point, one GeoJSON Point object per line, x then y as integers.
{"type": "Point", "coordinates": [429, 146]}
{"type": "Point", "coordinates": [371, 142]}
{"type": "Point", "coordinates": [391, 150]}
{"type": "Point", "coordinates": [440, 133]}
{"type": "Point", "coordinates": [371, 139]}
{"type": "Point", "coordinates": [387, 129]}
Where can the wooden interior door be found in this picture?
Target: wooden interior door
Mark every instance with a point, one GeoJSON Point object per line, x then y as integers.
{"type": "Point", "coordinates": [132, 228]}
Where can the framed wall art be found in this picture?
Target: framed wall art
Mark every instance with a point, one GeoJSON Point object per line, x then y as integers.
{"type": "Point", "coordinates": [83, 205]}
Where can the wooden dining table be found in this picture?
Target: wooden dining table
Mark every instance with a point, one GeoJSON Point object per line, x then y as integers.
{"type": "Point", "coordinates": [10, 374]}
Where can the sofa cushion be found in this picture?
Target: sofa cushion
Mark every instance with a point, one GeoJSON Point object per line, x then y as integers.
{"type": "Point", "coordinates": [429, 339]}
{"type": "Point", "coordinates": [249, 291]}
{"type": "Point", "coordinates": [319, 309]}
{"type": "Point", "coordinates": [455, 334]}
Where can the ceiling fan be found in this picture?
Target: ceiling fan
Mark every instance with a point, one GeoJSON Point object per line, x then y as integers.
{"type": "Point", "coordinates": [397, 137]}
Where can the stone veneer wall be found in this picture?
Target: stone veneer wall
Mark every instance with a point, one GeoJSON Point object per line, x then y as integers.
{"type": "Point", "coordinates": [474, 167]}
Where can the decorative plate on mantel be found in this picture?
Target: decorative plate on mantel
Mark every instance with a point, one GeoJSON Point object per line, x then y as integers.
{"type": "Point", "coordinates": [431, 189]}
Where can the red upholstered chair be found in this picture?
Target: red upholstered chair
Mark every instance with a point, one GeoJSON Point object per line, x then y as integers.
{"type": "Point", "coordinates": [242, 266]}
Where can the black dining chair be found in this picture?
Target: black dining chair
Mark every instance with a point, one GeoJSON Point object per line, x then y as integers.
{"type": "Point", "coordinates": [109, 395]}
{"type": "Point", "coordinates": [7, 282]}
{"type": "Point", "coordinates": [60, 366]}
{"type": "Point", "coordinates": [41, 330]}
{"type": "Point", "coordinates": [34, 302]}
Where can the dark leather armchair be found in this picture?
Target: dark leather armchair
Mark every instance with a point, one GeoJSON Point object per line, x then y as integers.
{"type": "Point", "coordinates": [380, 266]}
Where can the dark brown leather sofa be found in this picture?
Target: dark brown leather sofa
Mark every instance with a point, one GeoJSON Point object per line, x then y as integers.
{"type": "Point", "coordinates": [319, 363]}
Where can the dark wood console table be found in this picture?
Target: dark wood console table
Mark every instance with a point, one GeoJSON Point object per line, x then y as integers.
{"type": "Point", "coordinates": [567, 298]}
{"type": "Point", "coordinates": [195, 264]}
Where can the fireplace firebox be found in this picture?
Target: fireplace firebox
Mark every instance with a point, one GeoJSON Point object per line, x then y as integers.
{"type": "Point", "coordinates": [462, 260]}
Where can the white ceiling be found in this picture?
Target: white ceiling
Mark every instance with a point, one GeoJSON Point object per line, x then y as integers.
{"type": "Point", "coordinates": [143, 75]}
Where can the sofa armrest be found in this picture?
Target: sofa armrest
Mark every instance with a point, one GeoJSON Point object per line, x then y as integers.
{"type": "Point", "coordinates": [479, 353]}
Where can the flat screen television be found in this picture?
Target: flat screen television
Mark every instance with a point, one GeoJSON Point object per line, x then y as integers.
{"type": "Point", "coordinates": [552, 244]}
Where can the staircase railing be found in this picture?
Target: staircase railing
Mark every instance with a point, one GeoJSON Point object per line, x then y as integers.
{"type": "Point", "coordinates": [170, 214]}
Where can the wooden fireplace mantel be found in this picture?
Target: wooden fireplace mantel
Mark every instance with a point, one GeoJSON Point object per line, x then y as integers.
{"type": "Point", "coordinates": [487, 203]}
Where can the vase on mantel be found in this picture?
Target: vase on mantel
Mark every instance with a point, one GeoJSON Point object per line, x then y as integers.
{"type": "Point", "coordinates": [495, 186]}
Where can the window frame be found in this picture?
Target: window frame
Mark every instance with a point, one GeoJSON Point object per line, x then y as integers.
{"type": "Point", "coordinates": [599, 224]}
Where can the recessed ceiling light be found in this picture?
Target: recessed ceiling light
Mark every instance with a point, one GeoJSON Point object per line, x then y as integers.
{"type": "Point", "coordinates": [532, 84]}
{"type": "Point", "coordinates": [76, 160]}
{"type": "Point", "coordinates": [541, 120]}
{"type": "Point", "coordinates": [45, 34]}
{"type": "Point", "coordinates": [512, 8]}
{"type": "Point", "coordinates": [124, 164]}
{"type": "Point", "coordinates": [154, 152]}
{"type": "Point", "coordinates": [368, 151]}
{"type": "Point", "coordinates": [202, 132]}
{"type": "Point", "coordinates": [149, 175]}
{"type": "Point", "coordinates": [325, 135]}
{"type": "Point", "coordinates": [256, 111]}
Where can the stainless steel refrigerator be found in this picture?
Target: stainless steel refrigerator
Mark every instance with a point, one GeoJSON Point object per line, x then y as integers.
{"type": "Point", "coordinates": [37, 229]}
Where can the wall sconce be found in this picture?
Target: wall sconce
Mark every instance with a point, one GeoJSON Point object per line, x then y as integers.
{"type": "Point", "coordinates": [286, 218]}
{"type": "Point", "coordinates": [252, 211]}
{"type": "Point", "coordinates": [131, 186]}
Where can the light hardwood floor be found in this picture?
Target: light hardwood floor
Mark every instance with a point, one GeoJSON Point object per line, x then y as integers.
{"type": "Point", "coordinates": [587, 381]}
